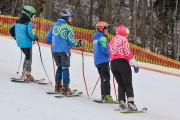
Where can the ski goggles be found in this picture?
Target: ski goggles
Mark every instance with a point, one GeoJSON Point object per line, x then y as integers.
{"type": "Point", "coordinates": [106, 27]}
{"type": "Point", "coordinates": [67, 15]}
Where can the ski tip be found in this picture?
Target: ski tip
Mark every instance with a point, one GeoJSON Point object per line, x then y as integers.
{"type": "Point", "coordinates": [12, 80]}
{"type": "Point", "coordinates": [42, 79]}
{"type": "Point", "coordinates": [59, 96]}
{"type": "Point", "coordinates": [80, 93]}
{"type": "Point", "coordinates": [20, 81]}
{"type": "Point", "coordinates": [106, 102]}
{"type": "Point", "coordinates": [53, 92]}
{"type": "Point", "coordinates": [116, 109]}
{"type": "Point", "coordinates": [75, 90]}
{"type": "Point", "coordinates": [126, 111]}
{"type": "Point", "coordinates": [42, 83]}
{"type": "Point", "coordinates": [50, 83]}
{"type": "Point", "coordinates": [144, 109]}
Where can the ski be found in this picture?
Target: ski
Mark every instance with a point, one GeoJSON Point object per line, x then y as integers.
{"type": "Point", "coordinates": [19, 80]}
{"type": "Point", "coordinates": [44, 83]}
{"type": "Point", "coordinates": [127, 111]}
{"type": "Point", "coordinates": [73, 91]}
{"type": "Point", "coordinates": [50, 93]}
{"type": "Point", "coordinates": [71, 95]}
{"type": "Point", "coordinates": [106, 102]}
{"type": "Point", "coordinates": [36, 80]}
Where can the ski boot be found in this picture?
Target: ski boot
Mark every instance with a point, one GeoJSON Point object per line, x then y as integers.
{"type": "Point", "coordinates": [26, 75]}
{"type": "Point", "coordinates": [58, 86]}
{"type": "Point", "coordinates": [108, 98]}
{"type": "Point", "coordinates": [132, 106]}
{"type": "Point", "coordinates": [66, 90]}
{"type": "Point", "coordinates": [103, 98]}
{"type": "Point", "coordinates": [122, 105]}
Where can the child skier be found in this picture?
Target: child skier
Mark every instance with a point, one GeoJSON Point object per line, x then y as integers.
{"type": "Point", "coordinates": [61, 36]}
{"type": "Point", "coordinates": [121, 55]}
{"type": "Point", "coordinates": [22, 31]}
{"type": "Point", "coordinates": [101, 59]}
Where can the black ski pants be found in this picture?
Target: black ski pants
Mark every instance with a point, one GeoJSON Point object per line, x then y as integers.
{"type": "Point", "coordinates": [104, 72]}
{"type": "Point", "coordinates": [28, 59]}
{"type": "Point", "coordinates": [123, 75]}
{"type": "Point", "coordinates": [27, 52]}
{"type": "Point", "coordinates": [62, 60]}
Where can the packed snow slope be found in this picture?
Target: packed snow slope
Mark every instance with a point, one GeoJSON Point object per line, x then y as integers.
{"type": "Point", "coordinates": [158, 92]}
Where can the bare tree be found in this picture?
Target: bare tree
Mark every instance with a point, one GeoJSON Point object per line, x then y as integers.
{"type": "Point", "coordinates": [151, 25]}
{"type": "Point", "coordinates": [133, 20]}
{"type": "Point", "coordinates": [14, 7]}
{"type": "Point", "coordinates": [90, 14]}
{"type": "Point", "coordinates": [175, 23]}
{"type": "Point", "coordinates": [48, 8]}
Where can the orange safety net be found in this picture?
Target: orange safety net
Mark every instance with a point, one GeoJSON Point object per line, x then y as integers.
{"type": "Point", "coordinates": [145, 57]}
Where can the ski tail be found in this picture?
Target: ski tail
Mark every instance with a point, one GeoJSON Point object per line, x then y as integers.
{"type": "Point", "coordinates": [70, 95]}
{"type": "Point", "coordinates": [106, 102]}
{"type": "Point", "coordinates": [127, 111]}
{"type": "Point", "coordinates": [38, 81]}
{"type": "Point", "coordinates": [73, 91]}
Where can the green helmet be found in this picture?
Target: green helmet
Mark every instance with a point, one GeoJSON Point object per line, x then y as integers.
{"type": "Point", "coordinates": [29, 11]}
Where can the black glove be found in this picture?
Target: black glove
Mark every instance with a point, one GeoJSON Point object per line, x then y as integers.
{"type": "Point", "coordinates": [35, 38]}
{"type": "Point", "coordinates": [80, 43]}
{"type": "Point", "coordinates": [136, 69]}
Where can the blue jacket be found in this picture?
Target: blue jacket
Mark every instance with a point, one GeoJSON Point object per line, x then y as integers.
{"type": "Point", "coordinates": [61, 36]}
{"type": "Point", "coordinates": [101, 51]}
{"type": "Point", "coordinates": [24, 34]}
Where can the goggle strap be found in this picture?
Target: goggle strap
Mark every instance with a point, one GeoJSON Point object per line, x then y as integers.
{"type": "Point", "coordinates": [32, 14]}
{"type": "Point", "coordinates": [26, 10]}
{"type": "Point", "coordinates": [105, 27]}
{"type": "Point", "coordinates": [67, 15]}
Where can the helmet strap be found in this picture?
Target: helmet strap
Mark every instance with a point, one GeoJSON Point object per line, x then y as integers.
{"type": "Point", "coordinates": [33, 15]}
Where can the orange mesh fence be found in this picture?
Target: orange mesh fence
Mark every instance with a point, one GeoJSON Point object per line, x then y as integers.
{"type": "Point", "coordinates": [146, 58]}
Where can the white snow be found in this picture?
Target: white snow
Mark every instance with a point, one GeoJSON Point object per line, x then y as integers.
{"type": "Point", "coordinates": [160, 93]}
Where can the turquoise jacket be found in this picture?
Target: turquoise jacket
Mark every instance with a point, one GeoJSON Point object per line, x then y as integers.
{"type": "Point", "coordinates": [24, 34]}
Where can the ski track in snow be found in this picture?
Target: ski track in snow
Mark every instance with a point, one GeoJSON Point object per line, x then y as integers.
{"type": "Point", "coordinates": [29, 101]}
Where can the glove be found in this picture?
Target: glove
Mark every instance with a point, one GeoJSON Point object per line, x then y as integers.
{"type": "Point", "coordinates": [135, 65]}
{"type": "Point", "coordinates": [136, 69]}
{"type": "Point", "coordinates": [80, 43]}
{"type": "Point", "coordinates": [35, 38]}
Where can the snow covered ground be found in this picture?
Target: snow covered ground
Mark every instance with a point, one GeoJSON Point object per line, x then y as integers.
{"type": "Point", "coordinates": [158, 92]}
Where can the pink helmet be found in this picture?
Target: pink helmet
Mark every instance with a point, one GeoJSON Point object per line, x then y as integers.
{"type": "Point", "coordinates": [122, 30]}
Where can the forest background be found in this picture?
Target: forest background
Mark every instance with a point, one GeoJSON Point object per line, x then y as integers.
{"type": "Point", "coordinates": [154, 24]}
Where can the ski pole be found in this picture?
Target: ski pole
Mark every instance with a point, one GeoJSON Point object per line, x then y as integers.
{"type": "Point", "coordinates": [19, 63]}
{"type": "Point", "coordinates": [114, 88]}
{"type": "Point", "coordinates": [83, 74]}
{"type": "Point", "coordinates": [95, 86]}
{"type": "Point", "coordinates": [43, 64]}
{"type": "Point", "coordinates": [53, 64]}
{"type": "Point", "coordinates": [54, 68]}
